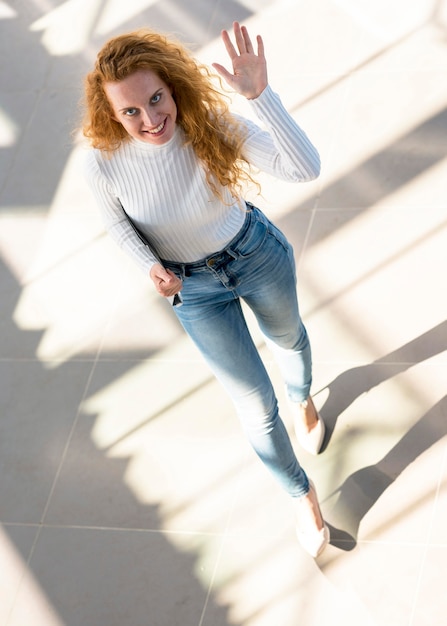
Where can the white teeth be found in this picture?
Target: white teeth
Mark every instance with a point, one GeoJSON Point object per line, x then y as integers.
{"type": "Point", "coordinates": [157, 130]}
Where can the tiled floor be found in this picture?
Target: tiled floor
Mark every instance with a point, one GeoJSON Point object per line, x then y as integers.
{"type": "Point", "coordinates": [128, 495]}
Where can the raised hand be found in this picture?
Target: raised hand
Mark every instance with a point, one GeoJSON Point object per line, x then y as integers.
{"type": "Point", "coordinates": [249, 76]}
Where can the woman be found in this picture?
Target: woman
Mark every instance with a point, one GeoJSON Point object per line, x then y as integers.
{"type": "Point", "coordinates": [167, 167]}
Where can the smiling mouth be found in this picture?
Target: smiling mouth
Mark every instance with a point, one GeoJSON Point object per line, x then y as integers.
{"type": "Point", "coordinates": [157, 130]}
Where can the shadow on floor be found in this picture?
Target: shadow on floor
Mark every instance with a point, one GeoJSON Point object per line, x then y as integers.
{"type": "Point", "coordinates": [363, 488]}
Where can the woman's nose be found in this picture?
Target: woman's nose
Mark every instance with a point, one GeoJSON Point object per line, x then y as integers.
{"type": "Point", "coordinates": [150, 118]}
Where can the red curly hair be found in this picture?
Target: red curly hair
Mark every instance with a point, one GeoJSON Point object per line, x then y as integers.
{"type": "Point", "coordinates": [202, 111]}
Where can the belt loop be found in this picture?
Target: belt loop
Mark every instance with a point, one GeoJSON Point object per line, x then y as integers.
{"type": "Point", "coordinates": [178, 268]}
{"type": "Point", "coordinates": [234, 255]}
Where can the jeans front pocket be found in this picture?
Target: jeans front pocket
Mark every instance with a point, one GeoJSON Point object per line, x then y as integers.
{"type": "Point", "coordinates": [254, 237]}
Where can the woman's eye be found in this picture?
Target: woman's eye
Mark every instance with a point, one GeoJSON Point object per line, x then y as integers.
{"type": "Point", "coordinates": [156, 98]}
{"type": "Point", "coordinates": [130, 112]}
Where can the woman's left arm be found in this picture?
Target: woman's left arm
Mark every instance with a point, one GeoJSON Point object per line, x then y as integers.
{"type": "Point", "coordinates": [284, 150]}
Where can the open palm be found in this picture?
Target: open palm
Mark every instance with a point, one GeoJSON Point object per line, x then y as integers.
{"type": "Point", "coordinates": [249, 77]}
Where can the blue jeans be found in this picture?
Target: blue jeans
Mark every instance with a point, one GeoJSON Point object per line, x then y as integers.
{"type": "Point", "coordinates": [258, 267]}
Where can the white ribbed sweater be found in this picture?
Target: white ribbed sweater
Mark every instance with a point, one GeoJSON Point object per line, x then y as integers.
{"type": "Point", "coordinates": [164, 191]}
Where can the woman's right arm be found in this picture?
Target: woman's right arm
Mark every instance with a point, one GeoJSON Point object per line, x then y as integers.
{"type": "Point", "coordinates": [115, 220]}
{"type": "Point", "coordinates": [125, 235]}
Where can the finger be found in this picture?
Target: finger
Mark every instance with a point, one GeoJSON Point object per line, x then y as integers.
{"type": "Point", "coordinates": [228, 45]}
{"type": "Point", "coordinates": [162, 274]}
{"type": "Point", "coordinates": [172, 278]}
{"type": "Point", "coordinates": [164, 277]}
{"type": "Point", "coordinates": [260, 46]}
{"type": "Point", "coordinates": [247, 40]}
{"type": "Point", "coordinates": [222, 71]}
{"type": "Point", "coordinates": [166, 292]}
{"type": "Point", "coordinates": [240, 41]}
{"type": "Point", "coordinates": [169, 284]}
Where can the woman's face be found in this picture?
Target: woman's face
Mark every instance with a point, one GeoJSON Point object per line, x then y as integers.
{"type": "Point", "coordinates": [144, 105]}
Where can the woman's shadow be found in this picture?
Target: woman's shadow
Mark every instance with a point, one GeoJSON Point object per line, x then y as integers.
{"type": "Point", "coordinates": [362, 489]}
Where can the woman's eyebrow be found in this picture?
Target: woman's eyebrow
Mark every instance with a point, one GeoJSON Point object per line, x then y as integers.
{"type": "Point", "coordinates": [150, 98]}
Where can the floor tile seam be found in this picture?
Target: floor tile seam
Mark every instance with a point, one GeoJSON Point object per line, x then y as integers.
{"type": "Point", "coordinates": [397, 70]}
{"type": "Point", "coordinates": [429, 545]}
{"type": "Point", "coordinates": [352, 362]}
{"type": "Point", "coordinates": [148, 360]}
{"type": "Point", "coordinates": [74, 361]}
{"type": "Point", "coordinates": [84, 360]}
{"type": "Point", "coordinates": [63, 260]}
{"type": "Point", "coordinates": [95, 359]}
{"type": "Point", "coordinates": [67, 444]}
{"type": "Point", "coordinates": [235, 534]}
{"type": "Point", "coordinates": [307, 235]}
{"type": "Point", "coordinates": [371, 273]}
{"type": "Point", "coordinates": [361, 362]}
{"type": "Point", "coordinates": [43, 361]}
{"type": "Point", "coordinates": [408, 363]}
{"type": "Point", "coordinates": [223, 540]}
{"type": "Point", "coordinates": [23, 575]}
{"type": "Point", "coordinates": [39, 527]}
{"type": "Point", "coordinates": [78, 414]}
{"type": "Point", "coordinates": [391, 542]}
{"type": "Point", "coordinates": [121, 529]}
{"type": "Point", "coordinates": [331, 157]}
{"type": "Point", "coordinates": [363, 67]}
{"type": "Point", "coordinates": [35, 360]}
{"type": "Point", "coordinates": [391, 208]}
{"type": "Point", "coordinates": [398, 41]}
{"type": "Point", "coordinates": [40, 90]}
{"type": "Point", "coordinates": [77, 360]}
